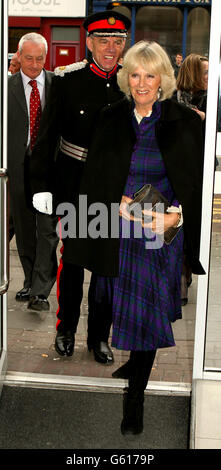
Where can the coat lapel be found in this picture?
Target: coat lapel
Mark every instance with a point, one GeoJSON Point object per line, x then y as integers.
{"type": "Point", "coordinates": [48, 79]}
{"type": "Point", "coordinates": [18, 91]}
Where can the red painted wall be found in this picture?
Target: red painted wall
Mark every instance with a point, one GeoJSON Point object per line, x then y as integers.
{"type": "Point", "coordinates": [45, 28]}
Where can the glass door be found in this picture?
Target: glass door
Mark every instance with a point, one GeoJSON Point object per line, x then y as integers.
{"type": "Point", "coordinates": [3, 191]}
{"type": "Point", "coordinates": [208, 326]}
{"type": "Point", "coordinates": [206, 389]}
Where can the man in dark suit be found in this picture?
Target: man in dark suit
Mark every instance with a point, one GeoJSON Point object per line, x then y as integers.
{"type": "Point", "coordinates": [35, 233]}
{"type": "Point", "coordinates": [78, 93]}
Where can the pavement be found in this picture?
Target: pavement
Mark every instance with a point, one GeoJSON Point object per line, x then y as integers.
{"type": "Point", "coordinates": [31, 334]}
{"type": "Point", "coordinates": [31, 339]}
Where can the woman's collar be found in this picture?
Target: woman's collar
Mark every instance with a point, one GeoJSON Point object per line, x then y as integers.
{"type": "Point", "coordinates": [139, 117]}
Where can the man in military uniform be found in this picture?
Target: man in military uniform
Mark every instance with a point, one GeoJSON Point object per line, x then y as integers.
{"type": "Point", "coordinates": [78, 92]}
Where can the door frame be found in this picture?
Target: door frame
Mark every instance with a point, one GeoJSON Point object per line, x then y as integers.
{"type": "Point", "coordinates": [4, 180]}
{"type": "Point", "coordinates": [208, 193]}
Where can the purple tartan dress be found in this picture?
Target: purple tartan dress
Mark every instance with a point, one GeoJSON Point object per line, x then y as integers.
{"type": "Point", "coordinates": [146, 294]}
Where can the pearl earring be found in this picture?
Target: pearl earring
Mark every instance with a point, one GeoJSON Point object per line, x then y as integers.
{"type": "Point", "coordinates": [159, 93]}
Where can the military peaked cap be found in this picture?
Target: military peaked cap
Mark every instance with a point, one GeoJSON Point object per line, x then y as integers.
{"type": "Point", "coordinates": [107, 23]}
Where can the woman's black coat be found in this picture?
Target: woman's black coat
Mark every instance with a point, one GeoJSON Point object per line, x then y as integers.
{"type": "Point", "coordinates": [179, 136]}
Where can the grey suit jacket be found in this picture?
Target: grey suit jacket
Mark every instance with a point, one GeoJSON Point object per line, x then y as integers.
{"type": "Point", "coordinates": [18, 124]}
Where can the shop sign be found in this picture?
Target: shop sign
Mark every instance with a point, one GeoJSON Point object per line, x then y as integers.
{"type": "Point", "coordinates": [47, 8]}
{"type": "Point", "coordinates": [168, 2]}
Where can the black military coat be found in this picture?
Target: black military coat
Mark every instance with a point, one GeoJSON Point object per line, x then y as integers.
{"type": "Point", "coordinates": [179, 136]}
{"type": "Point", "coordinates": [76, 97]}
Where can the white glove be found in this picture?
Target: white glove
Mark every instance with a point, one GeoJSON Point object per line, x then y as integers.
{"type": "Point", "coordinates": [43, 202]}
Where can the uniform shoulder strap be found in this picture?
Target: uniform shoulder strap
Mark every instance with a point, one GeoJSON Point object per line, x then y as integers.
{"type": "Point", "coordinates": [63, 69]}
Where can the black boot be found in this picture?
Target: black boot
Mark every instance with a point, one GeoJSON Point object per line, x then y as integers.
{"type": "Point", "coordinates": [123, 372]}
{"type": "Point", "coordinates": [141, 363]}
{"type": "Point", "coordinates": [132, 415]}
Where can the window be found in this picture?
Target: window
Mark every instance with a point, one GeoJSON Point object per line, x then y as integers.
{"type": "Point", "coordinates": [198, 30]}
{"type": "Point", "coordinates": [127, 12]}
{"type": "Point", "coordinates": [66, 33]}
{"type": "Point", "coordinates": [161, 24]}
{"type": "Point", "coordinates": [14, 36]}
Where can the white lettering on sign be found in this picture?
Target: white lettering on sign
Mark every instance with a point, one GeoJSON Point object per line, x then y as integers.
{"type": "Point", "coordinates": [54, 8]}
{"type": "Point", "coordinates": [36, 2]}
{"type": "Point", "coordinates": [167, 2]}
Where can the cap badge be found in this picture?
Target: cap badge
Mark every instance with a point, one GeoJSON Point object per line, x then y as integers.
{"type": "Point", "coordinates": [111, 20]}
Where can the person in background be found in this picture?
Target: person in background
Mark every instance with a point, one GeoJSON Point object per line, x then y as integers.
{"type": "Point", "coordinates": [14, 65]}
{"type": "Point", "coordinates": [205, 63]}
{"type": "Point", "coordinates": [192, 83]}
{"type": "Point", "coordinates": [36, 236]}
{"type": "Point", "coordinates": [178, 62]}
{"type": "Point", "coordinates": [79, 91]}
{"type": "Point", "coordinates": [151, 140]}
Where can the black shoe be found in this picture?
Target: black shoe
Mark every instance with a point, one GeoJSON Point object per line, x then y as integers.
{"type": "Point", "coordinates": [123, 372]}
{"type": "Point", "coordinates": [102, 352]}
{"type": "Point", "coordinates": [23, 295]}
{"type": "Point", "coordinates": [184, 301]}
{"type": "Point", "coordinates": [39, 303]}
{"type": "Point", "coordinates": [132, 415]}
{"type": "Point", "coordinates": [64, 343]}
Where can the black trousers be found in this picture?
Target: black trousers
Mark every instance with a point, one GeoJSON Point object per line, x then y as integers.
{"type": "Point", "coordinates": [70, 293]}
{"type": "Point", "coordinates": [37, 241]}
{"type": "Point", "coordinates": [141, 363]}
{"type": "Point", "coordinates": [35, 233]}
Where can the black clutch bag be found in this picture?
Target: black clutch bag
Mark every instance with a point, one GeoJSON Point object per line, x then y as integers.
{"type": "Point", "coordinates": [151, 196]}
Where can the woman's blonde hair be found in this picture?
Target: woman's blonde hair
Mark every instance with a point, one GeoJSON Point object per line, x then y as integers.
{"type": "Point", "coordinates": [190, 76]}
{"type": "Point", "coordinates": [154, 59]}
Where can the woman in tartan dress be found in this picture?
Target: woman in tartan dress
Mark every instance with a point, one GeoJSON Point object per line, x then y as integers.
{"type": "Point", "coordinates": [146, 293]}
{"type": "Point", "coordinates": [144, 138]}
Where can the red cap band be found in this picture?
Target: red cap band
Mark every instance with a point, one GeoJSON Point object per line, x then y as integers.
{"type": "Point", "coordinates": [105, 24]}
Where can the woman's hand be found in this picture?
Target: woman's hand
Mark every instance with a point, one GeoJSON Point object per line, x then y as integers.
{"type": "Point", "coordinates": [201, 113]}
{"type": "Point", "coordinates": [124, 208]}
{"type": "Point", "coordinates": [161, 222]}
